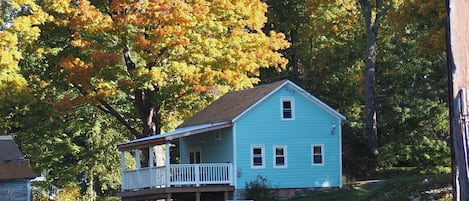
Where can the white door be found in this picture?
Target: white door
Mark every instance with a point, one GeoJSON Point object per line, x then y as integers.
{"type": "Point", "coordinates": [194, 156]}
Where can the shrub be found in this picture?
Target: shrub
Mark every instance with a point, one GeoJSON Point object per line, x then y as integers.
{"type": "Point", "coordinates": [260, 190]}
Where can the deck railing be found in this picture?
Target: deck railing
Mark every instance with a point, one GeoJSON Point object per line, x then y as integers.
{"type": "Point", "coordinates": [179, 175]}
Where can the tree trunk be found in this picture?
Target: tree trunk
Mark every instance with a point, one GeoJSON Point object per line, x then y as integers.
{"type": "Point", "coordinates": [372, 26]}
{"type": "Point", "coordinates": [147, 107]}
{"type": "Point", "coordinates": [295, 61]}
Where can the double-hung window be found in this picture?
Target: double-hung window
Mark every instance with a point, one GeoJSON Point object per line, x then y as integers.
{"type": "Point", "coordinates": [257, 156]}
{"type": "Point", "coordinates": [280, 156]}
{"type": "Point", "coordinates": [317, 153]}
{"type": "Point", "coordinates": [287, 108]}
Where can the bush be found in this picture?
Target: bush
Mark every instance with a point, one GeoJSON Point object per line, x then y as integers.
{"type": "Point", "coordinates": [260, 190]}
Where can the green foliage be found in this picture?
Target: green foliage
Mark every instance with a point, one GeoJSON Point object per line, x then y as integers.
{"type": "Point", "coordinates": [413, 113]}
{"type": "Point", "coordinates": [260, 189]}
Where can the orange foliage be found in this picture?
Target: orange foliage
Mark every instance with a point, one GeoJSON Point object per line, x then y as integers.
{"type": "Point", "coordinates": [79, 42]}
{"type": "Point", "coordinates": [126, 83]}
{"type": "Point", "coordinates": [87, 16]}
{"type": "Point", "coordinates": [102, 59]}
{"type": "Point", "coordinates": [79, 71]}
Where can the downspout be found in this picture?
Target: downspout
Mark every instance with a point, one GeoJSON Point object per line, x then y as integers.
{"type": "Point", "coordinates": [235, 165]}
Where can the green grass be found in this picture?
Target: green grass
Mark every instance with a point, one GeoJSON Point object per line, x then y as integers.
{"type": "Point", "coordinates": [350, 195]}
{"type": "Point", "coordinates": [397, 188]}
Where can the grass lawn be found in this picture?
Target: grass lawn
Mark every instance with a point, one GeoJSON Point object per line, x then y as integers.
{"type": "Point", "coordinates": [401, 188]}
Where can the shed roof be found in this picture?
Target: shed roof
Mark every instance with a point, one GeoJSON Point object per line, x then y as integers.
{"type": "Point", "coordinates": [180, 132]}
{"type": "Point", "coordinates": [16, 170]}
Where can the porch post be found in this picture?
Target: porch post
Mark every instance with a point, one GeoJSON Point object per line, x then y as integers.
{"type": "Point", "coordinates": [138, 166]}
{"type": "Point", "coordinates": [122, 170]}
{"type": "Point", "coordinates": [167, 165]}
{"type": "Point", "coordinates": [150, 157]}
{"type": "Point", "coordinates": [137, 158]}
{"type": "Point", "coordinates": [150, 167]}
{"type": "Point", "coordinates": [168, 197]}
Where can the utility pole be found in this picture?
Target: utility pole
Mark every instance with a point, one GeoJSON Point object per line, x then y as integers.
{"type": "Point", "coordinates": [458, 74]}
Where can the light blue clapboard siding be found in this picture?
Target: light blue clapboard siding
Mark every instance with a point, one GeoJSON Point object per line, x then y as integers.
{"type": "Point", "coordinates": [15, 190]}
{"type": "Point", "coordinates": [262, 125]}
{"type": "Point", "coordinates": [213, 149]}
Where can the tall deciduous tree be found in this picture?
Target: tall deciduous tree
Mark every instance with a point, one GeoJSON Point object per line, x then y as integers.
{"type": "Point", "coordinates": [372, 13]}
{"type": "Point", "coordinates": [168, 58]}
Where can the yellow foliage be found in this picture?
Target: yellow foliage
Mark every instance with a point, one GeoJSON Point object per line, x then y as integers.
{"type": "Point", "coordinates": [71, 193]}
{"type": "Point", "coordinates": [106, 89]}
{"type": "Point", "coordinates": [13, 38]}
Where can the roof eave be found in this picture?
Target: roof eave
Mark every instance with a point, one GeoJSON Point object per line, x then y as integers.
{"type": "Point", "coordinates": [161, 139]}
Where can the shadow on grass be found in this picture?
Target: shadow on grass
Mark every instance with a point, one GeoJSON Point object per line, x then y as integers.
{"type": "Point", "coordinates": [408, 187]}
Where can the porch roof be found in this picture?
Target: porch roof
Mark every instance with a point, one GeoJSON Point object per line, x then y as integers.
{"type": "Point", "coordinates": [178, 133]}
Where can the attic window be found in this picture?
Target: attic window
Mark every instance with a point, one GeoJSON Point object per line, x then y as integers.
{"type": "Point", "coordinates": [287, 106]}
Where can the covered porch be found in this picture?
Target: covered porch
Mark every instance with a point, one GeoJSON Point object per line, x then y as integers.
{"type": "Point", "coordinates": [151, 174]}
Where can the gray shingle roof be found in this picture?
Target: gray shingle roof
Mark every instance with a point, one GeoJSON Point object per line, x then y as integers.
{"type": "Point", "coordinates": [9, 151]}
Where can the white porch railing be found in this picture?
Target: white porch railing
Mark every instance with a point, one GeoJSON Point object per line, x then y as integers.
{"type": "Point", "coordinates": [180, 174]}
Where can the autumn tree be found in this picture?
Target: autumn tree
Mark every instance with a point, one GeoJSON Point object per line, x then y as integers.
{"type": "Point", "coordinates": [168, 58]}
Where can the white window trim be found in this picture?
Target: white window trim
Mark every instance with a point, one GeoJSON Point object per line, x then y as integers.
{"type": "Point", "coordinates": [262, 155]}
{"type": "Point", "coordinates": [285, 158]}
{"type": "Point", "coordinates": [322, 153]}
{"type": "Point", "coordinates": [292, 103]}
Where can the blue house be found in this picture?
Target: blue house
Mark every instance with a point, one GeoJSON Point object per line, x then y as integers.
{"type": "Point", "coordinates": [278, 131]}
{"type": "Point", "coordinates": [15, 173]}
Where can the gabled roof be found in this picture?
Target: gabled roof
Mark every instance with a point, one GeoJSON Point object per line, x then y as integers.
{"type": "Point", "coordinates": [234, 104]}
{"type": "Point", "coordinates": [231, 105]}
{"type": "Point", "coordinates": [9, 151]}
{"type": "Point", "coordinates": [12, 163]}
